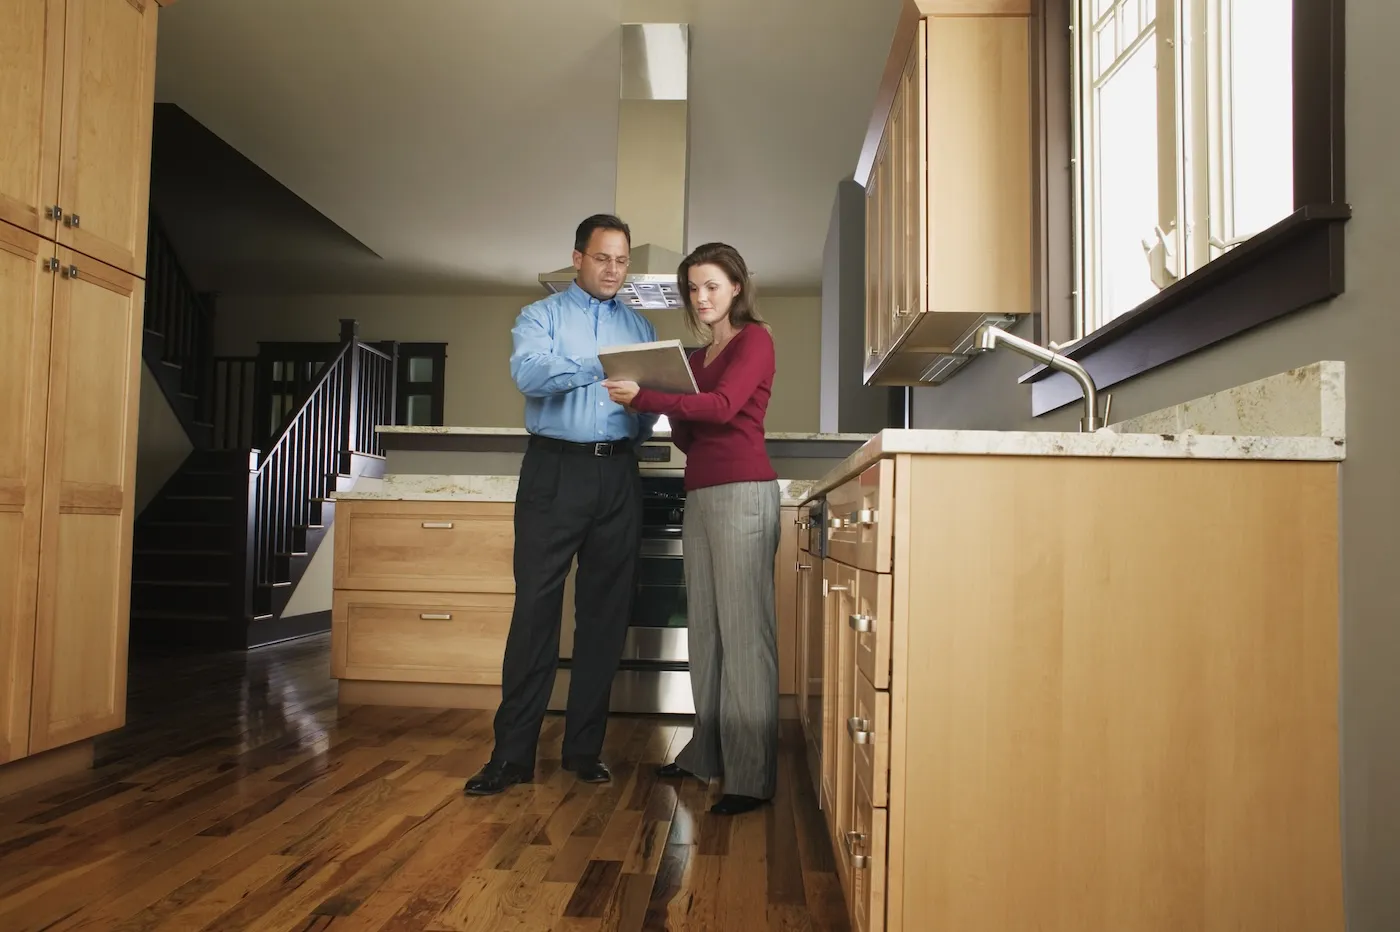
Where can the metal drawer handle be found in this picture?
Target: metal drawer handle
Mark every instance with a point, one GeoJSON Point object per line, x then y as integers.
{"type": "Point", "coordinates": [803, 566]}
{"type": "Point", "coordinates": [858, 861]}
{"type": "Point", "coordinates": [863, 624]}
{"type": "Point", "coordinates": [438, 525]}
{"type": "Point", "coordinates": [435, 616]}
{"type": "Point", "coordinates": [859, 730]}
{"type": "Point", "coordinates": [837, 524]}
{"type": "Point", "coordinates": [866, 516]}
{"type": "Point", "coordinates": [837, 588]}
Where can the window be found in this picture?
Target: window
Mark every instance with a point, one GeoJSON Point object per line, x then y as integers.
{"type": "Point", "coordinates": [1183, 138]}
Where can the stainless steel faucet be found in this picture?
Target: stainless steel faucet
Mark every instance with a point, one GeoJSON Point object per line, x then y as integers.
{"type": "Point", "coordinates": [989, 338]}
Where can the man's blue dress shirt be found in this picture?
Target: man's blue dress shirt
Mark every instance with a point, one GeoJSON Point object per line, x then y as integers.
{"type": "Point", "coordinates": [555, 366]}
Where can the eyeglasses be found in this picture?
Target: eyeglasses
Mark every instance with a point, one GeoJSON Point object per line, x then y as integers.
{"type": "Point", "coordinates": [604, 259]}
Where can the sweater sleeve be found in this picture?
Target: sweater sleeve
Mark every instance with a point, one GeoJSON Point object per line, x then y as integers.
{"type": "Point", "coordinates": [753, 362]}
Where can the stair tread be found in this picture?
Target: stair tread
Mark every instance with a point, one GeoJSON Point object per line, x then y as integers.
{"type": "Point", "coordinates": [191, 583]}
{"type": "Point", "coordinates": [211, 524]}
{"type": "Point", "coordinates": [167, 615]}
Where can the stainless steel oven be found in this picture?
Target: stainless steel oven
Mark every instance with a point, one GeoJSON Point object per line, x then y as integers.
{"type": "Point", "coordinates": [654, 675]}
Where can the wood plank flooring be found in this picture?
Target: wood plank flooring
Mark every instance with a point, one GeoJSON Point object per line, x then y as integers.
{"type": "Point", "coordinates": [241, 797]}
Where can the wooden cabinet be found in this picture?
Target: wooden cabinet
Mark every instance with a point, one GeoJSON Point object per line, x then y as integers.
{"type": "Point", "coordinates": [76, 150]}
{"type": "Point", "coordinates": [423, 591]}
{"type": "Point", "coordinates": [70, 327]}
{"type": "Point", "coordinates": [1046, 706]}
{"type": "Point", "coordinates": [77, 81]}
{"type": "Point", "coordinates": [947, 175]}
{"type": "Point", "coordinates": [27, 286]}
{"type": "Point", "coordinates": [785, 591]}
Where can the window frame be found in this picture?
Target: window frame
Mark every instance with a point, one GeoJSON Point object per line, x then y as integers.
{"type": "Point", "coordinates": [1296, 263]}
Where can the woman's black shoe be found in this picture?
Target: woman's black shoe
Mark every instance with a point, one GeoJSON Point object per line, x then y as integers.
{"type": "Point", "coordinates": [673, 771]}
{"type": "Point", "coordinates": [734, 804]}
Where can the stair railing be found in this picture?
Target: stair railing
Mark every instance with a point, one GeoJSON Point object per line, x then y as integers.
{"type": "Point", "coordinates": [353, 394]}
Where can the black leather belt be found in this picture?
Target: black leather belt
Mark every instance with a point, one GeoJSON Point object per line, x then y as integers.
{"type": "Point", "coordinates": [606, 448]}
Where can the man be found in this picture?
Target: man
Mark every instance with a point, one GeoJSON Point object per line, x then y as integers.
{"type": "Point", "coordinates": [580, 494]}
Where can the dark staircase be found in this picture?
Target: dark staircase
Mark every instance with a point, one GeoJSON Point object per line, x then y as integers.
{"type": "Point", "coordinates": [217, 553]}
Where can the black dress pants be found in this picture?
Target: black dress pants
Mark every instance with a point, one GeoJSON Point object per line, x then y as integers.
{"type": "Point", "coordinates": [569, 504]}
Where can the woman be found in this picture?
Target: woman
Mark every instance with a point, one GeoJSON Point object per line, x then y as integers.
{"type": "Point", "coordinates": [731, 530]}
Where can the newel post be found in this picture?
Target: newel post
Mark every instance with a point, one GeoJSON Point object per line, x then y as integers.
{"type": "Point", "coordinates": [349, 394]}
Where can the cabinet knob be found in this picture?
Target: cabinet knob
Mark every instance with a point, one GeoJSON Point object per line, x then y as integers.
{"type": "Point", "coordinates": [866, 517]}
{"type": "Point", "coordinates": [71, 220]}
{"type": "Point", "coordinates": [862, 624]}
{"type": "Point", "coordinates": [70, 272]}
{"type": "Point", "coordinates": [858, 861]}
{"type": "Point", "coordinates": [859, 729]}
{"type": "Point", "coordinates": [50, 264]}
{"type": "Point", "coordinates": [53, 212]}
{"type": "Point", "coordinates": [837, 523]}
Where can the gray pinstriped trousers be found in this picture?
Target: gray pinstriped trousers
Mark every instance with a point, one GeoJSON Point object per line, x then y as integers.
{"type": "Point", "coordinates": [731, 541]}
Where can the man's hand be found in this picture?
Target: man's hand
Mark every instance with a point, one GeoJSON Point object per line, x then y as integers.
{"type": "Point", "coordinates": [621, 392]}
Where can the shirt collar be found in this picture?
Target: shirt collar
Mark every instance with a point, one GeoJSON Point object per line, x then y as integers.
{"type": "Point", "coordinates": [586, 301]}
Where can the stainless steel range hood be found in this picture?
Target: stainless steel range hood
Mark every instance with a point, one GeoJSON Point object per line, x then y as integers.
{"type": "Point", "coordinates": [652, 153]}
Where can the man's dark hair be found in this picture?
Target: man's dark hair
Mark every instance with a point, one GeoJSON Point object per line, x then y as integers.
{"type": "Point", "coordinates": [599, 222]}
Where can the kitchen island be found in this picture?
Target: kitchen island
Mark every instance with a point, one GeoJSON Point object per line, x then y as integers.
{"type": "Point", "coordinates": [423, 582]}
{"type": "Point", "coordinates": [1071, 682]}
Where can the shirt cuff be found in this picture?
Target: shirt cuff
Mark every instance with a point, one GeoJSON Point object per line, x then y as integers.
{"type": "Point", "coordinates": [590, 370]}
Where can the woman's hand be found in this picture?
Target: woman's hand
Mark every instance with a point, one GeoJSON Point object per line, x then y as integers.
{"type": "Point", "coordinates": [622, 392]}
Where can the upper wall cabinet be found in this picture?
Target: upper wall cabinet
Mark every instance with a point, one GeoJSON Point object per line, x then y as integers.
{"type": "Point", "coordinates": [77, 78]}
{"type": "Point", "coordinates": [947, 175]}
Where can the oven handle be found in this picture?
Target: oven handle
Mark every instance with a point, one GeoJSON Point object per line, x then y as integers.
{"type": "Point", "coordinates": [654, 547]}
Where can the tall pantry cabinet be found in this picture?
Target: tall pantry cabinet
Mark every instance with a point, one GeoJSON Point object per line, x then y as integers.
{"type": "Point", "coordinates": [77, 88]}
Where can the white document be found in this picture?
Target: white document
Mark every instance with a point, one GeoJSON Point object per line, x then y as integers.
{"type": "Point", "coordinates": [660, 366]}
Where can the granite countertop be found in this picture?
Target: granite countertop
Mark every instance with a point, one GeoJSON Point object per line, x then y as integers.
{"type": "Point", "coordinates": [1299, 415]}
{"type": "Point", "coordinates": [429, 488]}
{"type": "Point", "coordinates": [662, 434]}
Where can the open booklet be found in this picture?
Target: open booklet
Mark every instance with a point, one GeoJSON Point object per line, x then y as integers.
{"type": "Point", "coordinates": [660, 366]}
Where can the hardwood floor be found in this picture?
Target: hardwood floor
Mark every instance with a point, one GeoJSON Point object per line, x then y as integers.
{"type": "Point", "coordinates": [240, 797]}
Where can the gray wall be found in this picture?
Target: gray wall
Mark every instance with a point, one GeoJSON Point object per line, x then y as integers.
{"type": "Point", "coordinates": [846, 404]}
{"type": "Point", "coordinates": [1362, 328]}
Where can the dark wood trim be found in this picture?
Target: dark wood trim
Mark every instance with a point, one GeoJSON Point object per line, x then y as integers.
{"type": "Point", "coordinates": [1294, 265]}
{"type": "Point", "coordinates": [265, 632]}
{"type": "Point", "coordinates": [1245, 287]}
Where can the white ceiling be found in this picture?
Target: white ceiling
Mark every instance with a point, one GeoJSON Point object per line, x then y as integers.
{"type": "Point", "coordinates": [462, 140]}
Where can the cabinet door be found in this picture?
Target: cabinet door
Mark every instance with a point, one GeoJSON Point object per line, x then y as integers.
{"type": "Point", "coordinates": [914, 193]}
{"type": "Point", "coordinates": [873, 347]}
{"type": "Point", "coordinates": [89, 471]}
{"type": "Point", "coordinates": [785, 585]}
{"type": "Point", "coordinates": [31, 97]}
{"type": "Point", "coordinates": [803, 677]}
{"type": "Point", "coordinates": [105, 160]}
{"type": "Point", "coordinates": [26, 299]}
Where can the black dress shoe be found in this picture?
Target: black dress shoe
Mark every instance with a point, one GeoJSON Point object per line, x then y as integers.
{"type": "Point", "coordinates": [496, 777]}
{"type": "Point", "coordinates": [589, 769]}
{"type": "Point", "coordinates": [734, 804]}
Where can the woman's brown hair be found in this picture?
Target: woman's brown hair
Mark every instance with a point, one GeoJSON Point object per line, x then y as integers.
{"type": "Point", "coordinates": [743, 309]}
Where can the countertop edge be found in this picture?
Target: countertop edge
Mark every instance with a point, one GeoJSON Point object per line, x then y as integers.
{"type": "Point", "coordinates": [1105, 444]}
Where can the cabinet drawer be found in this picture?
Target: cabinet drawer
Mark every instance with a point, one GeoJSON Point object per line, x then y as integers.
{"type": "Point", "coordinates": [871, 622]}
{"type": "Point", "coordinates": [425, 546]}
{"type": "Point", "coordinates": [868, 730]}
{"type": "Point", "coordinates": [861, 519]}
{"type": "Point", "coordinates": [419, 637]}
{"type": "Point", "coordinates": [863, 852]}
